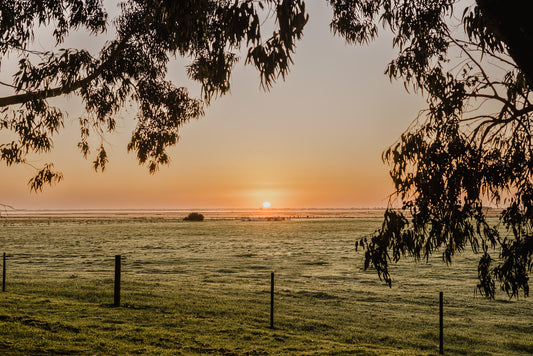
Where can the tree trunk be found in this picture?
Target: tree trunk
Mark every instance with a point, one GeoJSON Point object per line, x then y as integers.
{"type": "Point", "coordinates": [512, 23]}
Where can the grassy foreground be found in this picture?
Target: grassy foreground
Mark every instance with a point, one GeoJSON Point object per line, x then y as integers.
{"type": "Point", "coordinates": [204, 289]}
{"type": "Point", "coordinates": [157, 319]}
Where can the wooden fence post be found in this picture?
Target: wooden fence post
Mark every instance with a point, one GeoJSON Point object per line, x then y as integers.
{"type": "Point", "coordinates": [272, 300]}
{"type": "Point", "coordinates": [4, 273]}
{"type": "Point", "coordinates": [117, 281]}
{"type": "Point", "coordinates": [441, 324]}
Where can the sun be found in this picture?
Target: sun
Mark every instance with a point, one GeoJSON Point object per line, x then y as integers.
{"type": "Point", "coordinates": [266, 205]}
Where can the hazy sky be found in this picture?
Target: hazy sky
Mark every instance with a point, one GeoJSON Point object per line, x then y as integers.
{"type": "Point", "coordinates": [314, 140]}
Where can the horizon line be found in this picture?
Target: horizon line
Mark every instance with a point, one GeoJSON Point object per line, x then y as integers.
{"type": "Point", "coordinates": [8, 208]}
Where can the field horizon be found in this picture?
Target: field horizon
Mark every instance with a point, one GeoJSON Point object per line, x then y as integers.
{"type": "Point", "coordinates": [209, 213]}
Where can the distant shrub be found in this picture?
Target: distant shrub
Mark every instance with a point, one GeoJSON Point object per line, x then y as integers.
{"type": "Point", "coordinates": [194, 217]}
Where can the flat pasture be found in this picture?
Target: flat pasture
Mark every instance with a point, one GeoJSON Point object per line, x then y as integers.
{"type": "Point", "coordinates": [204, 288]}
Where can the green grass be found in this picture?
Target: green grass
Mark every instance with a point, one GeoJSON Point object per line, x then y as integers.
{"type": "Point", "coordinates": [203, 288]}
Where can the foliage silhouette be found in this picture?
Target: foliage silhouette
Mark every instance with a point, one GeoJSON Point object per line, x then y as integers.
{"type": "Point", "coordinates": [471, 148]}
{"type": "Point", "coordinates": [132, 68]}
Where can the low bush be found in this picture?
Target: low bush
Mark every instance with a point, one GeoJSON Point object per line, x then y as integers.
{"type": "Point", "coordinates": [194, 217]}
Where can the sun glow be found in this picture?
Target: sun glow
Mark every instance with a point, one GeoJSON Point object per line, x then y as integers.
{"type": "Point", "coordinates": [266, 205]}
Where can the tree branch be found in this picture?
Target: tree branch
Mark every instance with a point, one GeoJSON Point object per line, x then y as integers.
{"type": "Point", "coordinates": [473, 60]}
{"type": "Point", "coordinates": [8, 85]}
{"type": "Point", "coordinates": [50, 93]}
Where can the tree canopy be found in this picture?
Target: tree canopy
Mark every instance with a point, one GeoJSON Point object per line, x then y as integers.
{"type": "Point", "coordinates": [471, 148]}
{"type": "Point", "coordinates": [132, 68]}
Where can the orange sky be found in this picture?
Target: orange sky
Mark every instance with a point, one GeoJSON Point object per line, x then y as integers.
{"type": "Point", "coordinates": [314, 140]}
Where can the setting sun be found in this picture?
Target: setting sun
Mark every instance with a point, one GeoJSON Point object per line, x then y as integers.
{"type": "Point", "coordinates": [266, 205]}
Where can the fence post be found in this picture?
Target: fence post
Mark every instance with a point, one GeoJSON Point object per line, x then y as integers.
{"type": "Point", "coordinates": [272, 300]}
{"type": "Point", "coordinates": [117, 281]}
{"type": "Point", "coordinates": [4, 273]}
{"type": "Point", "coordinates": [441, 324]}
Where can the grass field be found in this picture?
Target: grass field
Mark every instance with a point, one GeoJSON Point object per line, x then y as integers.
{"type": "Point", "coordinates": [203, 288]}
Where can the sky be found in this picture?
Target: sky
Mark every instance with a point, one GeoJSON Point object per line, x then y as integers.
{"type": "Point", "coordinates": [313, 141]}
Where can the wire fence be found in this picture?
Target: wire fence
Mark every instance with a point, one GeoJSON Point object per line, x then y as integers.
{"type": "Point", "coordinates": [117, 293]}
